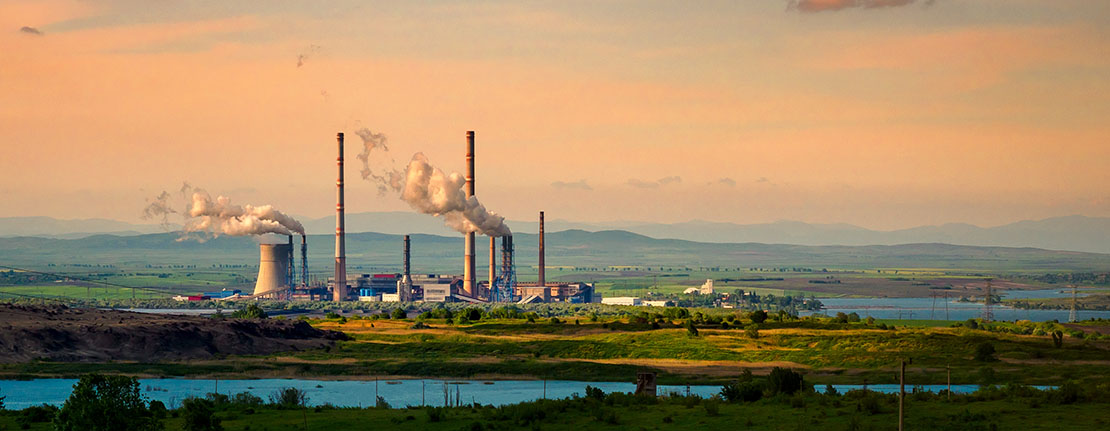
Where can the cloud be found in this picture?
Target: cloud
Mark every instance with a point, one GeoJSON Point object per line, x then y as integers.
{"type": "Point", "coordinates": [30, 30]}
{"type": "Point", "coordinates": [579, 185]}
{"type": "Point", "coordinates": [762, 180]}
{"type": "Point", "coordinates": [641, 184]}
{"type": "Point", "coordinates": [727, 181]}
{"type": "Point", "coordinates": [835, 5]}
{"type": "Point", "coordinates": [670, 180]}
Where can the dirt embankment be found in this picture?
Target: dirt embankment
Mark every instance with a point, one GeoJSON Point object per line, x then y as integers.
{"type": "Point", "coordinates": [57, 333]}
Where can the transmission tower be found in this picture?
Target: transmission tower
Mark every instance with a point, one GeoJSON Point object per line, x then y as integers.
{"type": "Point", "coordinates": [1072, 317]}
{"type": "Point", "coordinates": [988, 313]}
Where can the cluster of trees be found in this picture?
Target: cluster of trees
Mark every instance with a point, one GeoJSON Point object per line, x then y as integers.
{"type": "Point", "coordinates": [1097, 278]}
{"type": "Point", "coordinates": [114, 403]}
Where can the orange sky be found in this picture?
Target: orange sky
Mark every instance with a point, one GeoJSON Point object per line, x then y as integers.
{"type": "Point", "coordinates": [978, 111]}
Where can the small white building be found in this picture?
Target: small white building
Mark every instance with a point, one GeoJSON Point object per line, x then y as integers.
{"type": "Point", "coordinates": [391, 297]}
{"type": "Point", "coordinates": [621, 300]}
{"type": "Point", "coordinates": [705, 289]}
{"type": "Point", "coordinates": [663, 303]}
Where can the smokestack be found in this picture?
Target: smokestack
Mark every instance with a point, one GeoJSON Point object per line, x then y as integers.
{"type": "Point", "coordinates": [291, 268]}
{"type": "Point", "coordinates": [404, 285]}
{"type": "Point", "coordinates": [340, 292]}
{"type": "Point", "coordinates": [469, 276]}
{"type": "Point", "coordinates": [405, 264]}
{"type": "Point", "coordinates": [542, 282]}
{"type": "Point", "coordinates": [492, 261]}
{"type": "Point", "coordinates": [304, 260]}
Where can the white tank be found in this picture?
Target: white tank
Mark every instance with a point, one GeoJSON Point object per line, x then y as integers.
{"type": "Point", "coordinates": [272, 267]}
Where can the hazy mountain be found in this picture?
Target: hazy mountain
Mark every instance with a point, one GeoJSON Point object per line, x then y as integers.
{"type": "Point", "coordinates": [1075, 233]}
{"type": "Point", "coordinates": [50, 227]}
{"type": "Point", "coordinates": [372, 252]}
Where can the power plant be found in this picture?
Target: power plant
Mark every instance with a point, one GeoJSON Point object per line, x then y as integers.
{"type": "Point", "coordinates": [277, 268]}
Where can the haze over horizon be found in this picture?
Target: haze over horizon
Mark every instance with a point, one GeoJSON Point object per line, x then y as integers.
{"type": "Point", "coordinates": [932, 112]}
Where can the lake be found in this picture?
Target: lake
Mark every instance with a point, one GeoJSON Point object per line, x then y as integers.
{"type": "Point", "coordinates": [939, 309]}
{"type": "Point", "coordinates": [361, 393]}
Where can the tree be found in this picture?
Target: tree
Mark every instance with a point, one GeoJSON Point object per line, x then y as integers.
{"type": "Point", "coordinates": [984, 352]}
{"type": "Point", "coordinates": [1057, 340]}
{"type": "Point", "coordinates": [197, 415]}
{"type": "Point", "coordinates": [758, 316]}
{"type": "Point", "coordinates": [105, 403]}
{"type": "Point", "coordinates": [784, 381]}
{"type": "Point", "coordinates": [251, 311]}
{"type": "Point", "coordinates": [690, 328]}
{"type": "Point", "coordinates": [399, 314]}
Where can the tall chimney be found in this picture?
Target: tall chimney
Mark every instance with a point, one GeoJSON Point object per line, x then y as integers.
{"type": "Point", "coordinates": [304, 261]}
{"type": "Point", "coordinates": [469, 276]}
{"type": "Point", "coordinates": [405, 264]}
{"type": "Point", "coordinates": [404, 285]}
{"type": "Point", "coordinates": [492, 262]}
{"type": "Point", "coordinates": [340, 292]}
{"type": "Point", "coordinates": [542, 282]}
{"type": "Point", "coordinates": [291, 268]}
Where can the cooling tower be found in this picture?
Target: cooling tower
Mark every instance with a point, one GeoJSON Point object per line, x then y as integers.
{"type": "Point", "coordinates": [273, 267]}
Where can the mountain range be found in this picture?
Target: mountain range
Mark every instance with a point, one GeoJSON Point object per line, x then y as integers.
{"type": "Point", "coordinates": [1071, 233]}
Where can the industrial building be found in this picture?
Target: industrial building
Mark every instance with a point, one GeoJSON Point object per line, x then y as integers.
{"type": "Point", "coordinates": [277, 271]}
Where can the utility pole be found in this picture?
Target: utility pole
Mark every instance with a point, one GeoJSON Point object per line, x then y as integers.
{"type": "Point", "coordinates": [988, 314]}
{"type": "Point", "coordinates": [1072, 317]}
{"type": "Point", "coordinates": [949, 369]}
{"type": "Point", "coordinates": [902, 397]}
{"type": "Point", "coordinates": [946, 306]}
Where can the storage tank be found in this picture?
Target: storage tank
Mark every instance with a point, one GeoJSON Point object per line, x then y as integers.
{"type": "Point", "coordinates": [273, 266]}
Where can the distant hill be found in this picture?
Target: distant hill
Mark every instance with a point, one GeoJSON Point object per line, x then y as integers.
{"type": "Point", "coordinates": [50, 227]}
{"type": "Point", "coordinates": [1074, 233]}
{"type": "Point", "coordinates": [371, 252]}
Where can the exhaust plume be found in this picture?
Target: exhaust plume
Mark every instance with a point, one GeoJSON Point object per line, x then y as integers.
{"type": "Point", "coordinates": [429, 190]}
{"type": "Point", "coordinates": [386, 178]}
{"type": "Point", "coordinates": [219, 216]}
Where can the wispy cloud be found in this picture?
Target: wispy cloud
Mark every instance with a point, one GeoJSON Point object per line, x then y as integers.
{"type": "Point", "coordinates": [727, 181]}
{"type": "Point", "coordinates": [641, 184]}
{"type": "Point", "coordinates": [30, 30]}
{"type": "Point", "coordinates": [762, 180]}
{"type": "Point", "coordinates": [835, 5]}
{"type": "Point", "coordinates": [577, 185]}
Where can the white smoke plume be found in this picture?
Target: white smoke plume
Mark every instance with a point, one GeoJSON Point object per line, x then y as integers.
{"type": "Point", "coordinates": [219, 216]}
{"type": "Point", "coordinates": [429, 190]}
{"type": "Point", "coordinates": [385, 178]}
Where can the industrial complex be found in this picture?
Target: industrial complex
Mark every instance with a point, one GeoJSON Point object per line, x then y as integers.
{"type": "Point", "coordinates": [277, 277]}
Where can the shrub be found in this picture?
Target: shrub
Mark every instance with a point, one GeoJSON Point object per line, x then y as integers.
{"type": "Point", "coordinates": [251, 311]}
{"type": "Point", "coordinates": [984, 352]}
{"type": "Point", "coordinates": [37, 414]}
{"type": "Point", "coordinates": [331, 315]}
{"type": "Point", "coordinates": [758, 316]}
{"type": "Point", "coordinates": [853, 317]}
{"type": "Point", "coordinates": [245, 399]}
{"type": "Point", "coordinates": [784, 381]}
{"type": "Point", "coordinates": [712, 407]}
{"type": "Point", "coordinates": [595, 393]}
{"type": "Point", "coordinates": [752, 332]}
{"type": "Point", "coordinates": [690, 328]}
{"type": "Point", "coordinates": [399, 314]}
{"type": "Point", "coordinates": [1058, 339]}
{"type": "Point", "coordinates": [971, 323]}
{"type": "Point", "coordinates": [748, 391]}
{"type": "Point", "coordinates": [197, 415]}
{"type": "Point", "coordinates": [289, 398]}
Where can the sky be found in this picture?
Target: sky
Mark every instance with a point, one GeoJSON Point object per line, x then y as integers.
{"type": "Point", "coordinates": [880, 113]}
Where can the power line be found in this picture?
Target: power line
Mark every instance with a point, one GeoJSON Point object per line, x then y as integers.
{"type": "Point", "coordinates": [89, 280]}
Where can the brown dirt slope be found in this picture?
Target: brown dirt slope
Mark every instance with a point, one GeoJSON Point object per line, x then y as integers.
{"type": "Point", "coordinates": [57, 333]}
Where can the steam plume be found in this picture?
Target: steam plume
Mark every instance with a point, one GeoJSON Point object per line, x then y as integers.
{"type": "Point", "coordinates": [385, 179]}
{"type": "Point", "coordinates": [220, 217]}
{"type": "Point", "coordinates": [30, 30]}
{"type": "Point", "coordinates": [429, 190]}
